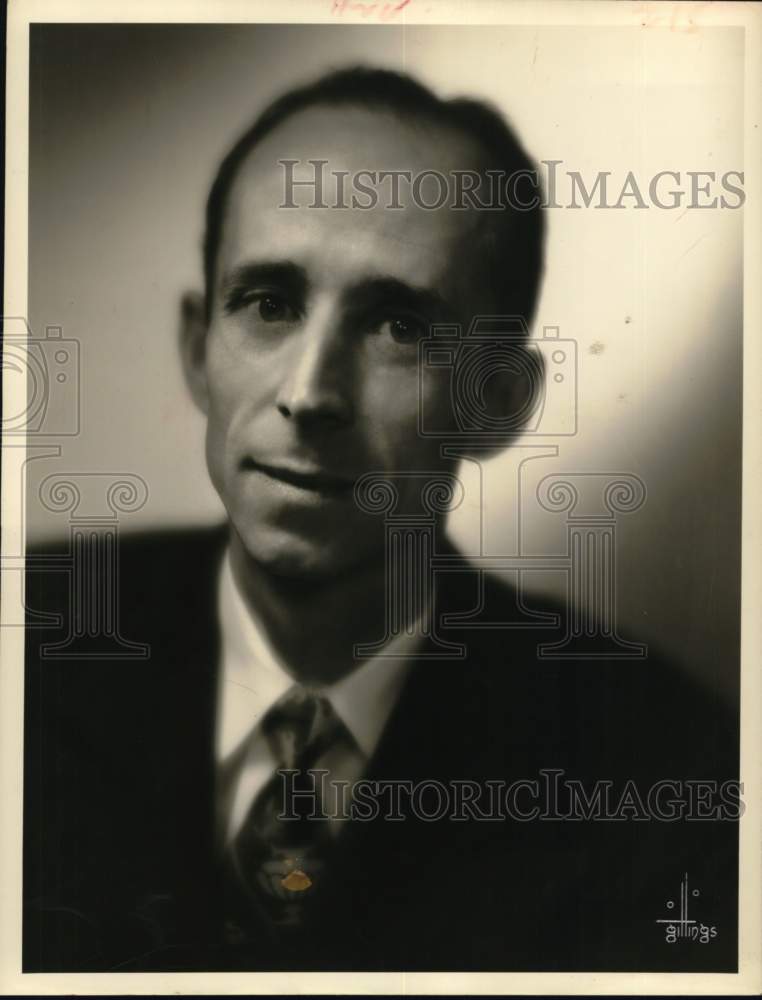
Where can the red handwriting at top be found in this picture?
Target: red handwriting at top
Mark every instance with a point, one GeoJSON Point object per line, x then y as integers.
{"type": "Point", "coordinates": [676, 16]}
{"type": "Point", "coordinates": [384, 10]}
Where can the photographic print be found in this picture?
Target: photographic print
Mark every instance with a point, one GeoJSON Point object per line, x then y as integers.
{"type": "Point", "coordinates": [380, 449]}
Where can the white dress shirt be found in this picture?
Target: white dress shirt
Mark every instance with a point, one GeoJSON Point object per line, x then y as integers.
{"type": "Point", "coordinates": [253, 678]}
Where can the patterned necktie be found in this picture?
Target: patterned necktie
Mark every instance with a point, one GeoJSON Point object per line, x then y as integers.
{"type": "Point", "coordinates": [277, 861]}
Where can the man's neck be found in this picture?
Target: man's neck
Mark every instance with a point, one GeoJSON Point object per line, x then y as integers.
{"type": "Point", "coordinates": [314, 624]}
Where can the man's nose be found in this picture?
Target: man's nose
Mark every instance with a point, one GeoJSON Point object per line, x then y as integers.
{"type": "Point", "coordinates": [316, 387]}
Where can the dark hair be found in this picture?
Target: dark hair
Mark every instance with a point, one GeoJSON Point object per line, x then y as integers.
{"type": "Point", "coordinates": [387, 90]}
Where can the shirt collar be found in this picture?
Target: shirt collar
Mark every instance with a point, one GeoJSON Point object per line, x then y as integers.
{"type": "Point", "coordinates": [254, 677]}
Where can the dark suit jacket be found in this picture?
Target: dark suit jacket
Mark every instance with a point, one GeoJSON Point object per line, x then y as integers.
{"type": "Point", "coordinates": [119, 869]}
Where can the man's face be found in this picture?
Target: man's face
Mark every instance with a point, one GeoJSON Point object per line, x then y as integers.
{"type": "Point", "coordinates": [310, 359]}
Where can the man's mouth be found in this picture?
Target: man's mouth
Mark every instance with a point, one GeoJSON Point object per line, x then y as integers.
{"type": "Point", "coordinates": [304, 477]}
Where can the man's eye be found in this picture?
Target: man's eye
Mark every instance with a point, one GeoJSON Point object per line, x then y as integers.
{"type": "Point", "coordinates": [273, 308]}
{"type": "Point", "coordinates": [404, 329]}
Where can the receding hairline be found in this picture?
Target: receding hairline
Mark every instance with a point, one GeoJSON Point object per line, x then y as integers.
{"type": "Point", "coordinates": [399, 97]}
{"type": "Point", "coordinates": [413, 119]}
{"type": "Point", "coordinates": [473, 153]}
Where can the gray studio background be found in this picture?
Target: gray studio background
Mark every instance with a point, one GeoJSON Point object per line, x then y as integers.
{"type": "Point", "coordinates": [127, 124]}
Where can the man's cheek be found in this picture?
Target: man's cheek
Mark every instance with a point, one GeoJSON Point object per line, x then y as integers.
{"type": "Point", "coordinates": [227, 399]}
{"type": "Point", "coordinates": [219, 449]}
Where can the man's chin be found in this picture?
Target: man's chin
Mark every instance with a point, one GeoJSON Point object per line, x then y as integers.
{"type": "Point", "coordinates": [291, 557]}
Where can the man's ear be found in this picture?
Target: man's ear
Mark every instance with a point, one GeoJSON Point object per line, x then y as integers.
{"type": "Point", "coordinates": [517, 388]}
{"type": "Point", "coordinates": [512, 395]}
{"type": "Point", "coordinates": [193, 329]}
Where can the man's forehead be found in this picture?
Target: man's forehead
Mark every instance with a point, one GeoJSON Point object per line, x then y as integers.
{"type": "Point", "coordinates": [357, 138]}
{"type": "Point", "coordinates": [351, 140]}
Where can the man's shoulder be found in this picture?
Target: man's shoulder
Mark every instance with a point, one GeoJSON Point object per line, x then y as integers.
{"type": "Point", "coordinates": [179, 553]}
{"type": "Point", "coordinates": [119, 633]}
{"type": "Point", "coordinates": [153, 560]}
{"type": "Point", "coordinates": [541, 680]}
{"type": "Point", "coordinates": [140, 602]}
{"type": "Point", "coordinates": [161, 544]}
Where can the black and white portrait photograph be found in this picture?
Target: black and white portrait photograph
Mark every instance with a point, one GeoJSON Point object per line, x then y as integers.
{"type": "Point", "coordinates": [381, 457]}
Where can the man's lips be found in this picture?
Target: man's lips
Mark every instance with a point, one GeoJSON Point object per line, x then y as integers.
{"type": "Point", "coordinates": [302, 476]}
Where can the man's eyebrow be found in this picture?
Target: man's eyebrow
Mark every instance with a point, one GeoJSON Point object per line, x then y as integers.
{"type": "Point", "coordinates": [283, 273]}
{"type": "Point", "coordinates": [385, 290]}
{"type": "Point", "coordinates": [372, 292]}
